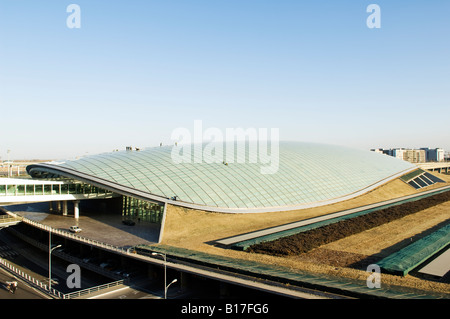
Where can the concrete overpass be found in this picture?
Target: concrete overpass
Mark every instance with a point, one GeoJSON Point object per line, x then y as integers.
{"type": "Point", "coordinates": [435, 166]}
{"type": "Point", "coordinates": [7, 220]}
{"type": "Point", "coordinates": [25, 190]}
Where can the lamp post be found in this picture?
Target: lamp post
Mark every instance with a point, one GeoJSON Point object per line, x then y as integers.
{"type": "Point", "coordinates": [165, 274]}
{"type": "Point", "coordinates": [50, 250]}
{"type": "Point", "coordinates": [166, 288]}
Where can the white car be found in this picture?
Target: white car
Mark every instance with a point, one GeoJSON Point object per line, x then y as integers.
{"type": "Point", "coordinates": [75, 229]}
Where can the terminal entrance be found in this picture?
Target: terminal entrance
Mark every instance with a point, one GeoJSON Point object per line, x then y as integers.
{"type": "Point", "coordinates": [141, 210]}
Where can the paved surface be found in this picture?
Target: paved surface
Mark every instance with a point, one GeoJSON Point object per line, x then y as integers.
{"type": "Point", "coordinates": [125, 292]}
{"type": "Point", "coordinates": [23, 290]}
{"type": "Point", "coordinates": [439, 266]}
{"type": "Point", "coordinates": [107, 228]}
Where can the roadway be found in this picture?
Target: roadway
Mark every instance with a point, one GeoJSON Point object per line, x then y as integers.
{"type": "Point", "coordinates": [205, 272]}
{"type": "Point", "coordinates": [24, 291]}
{"type": "Point", "coordinates": [125, 292]}
{"type": "Point", "coordinates": [35, 263]}
{"type": "Point", "coordinates": [439, 166]}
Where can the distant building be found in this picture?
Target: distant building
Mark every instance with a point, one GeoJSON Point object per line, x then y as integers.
{"type": "Point", "coordinates": [397, 152]}
{"type": "Point", "coordinates": [422, 155]}
{"type": "Point", "coordinates": [434, 155]}
{"type": "Point", "coordinates": [377, 150]}
{"type": "Point", "coordinates": [414, 156]}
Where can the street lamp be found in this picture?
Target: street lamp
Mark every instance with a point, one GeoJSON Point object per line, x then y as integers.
{"type": "Point", "coordinates": [165, 274]}
{"type": "Point", "coordinates": [50, 250]}
{"type": "Point", "coordinates": [165, 290]}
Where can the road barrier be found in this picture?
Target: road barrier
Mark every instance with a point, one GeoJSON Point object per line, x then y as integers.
{"type": "Point", "coordinates": [30, 280]}
{"type": "Point", "coordinates": [67, 234]}
{"type": "Point", "coordinates": [53, 292]}
{"type": "Point", "coordinates": [6, 220]}
{"type": "Point", "coordinates": [44, 287]}
{"type": "Point", "coordinates": [84, 292]}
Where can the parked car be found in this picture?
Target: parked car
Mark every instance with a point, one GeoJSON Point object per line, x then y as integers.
{"type": "Point", "coordinates": [128, 222]}
{"type": "Point", "coordinates": [75, 229]}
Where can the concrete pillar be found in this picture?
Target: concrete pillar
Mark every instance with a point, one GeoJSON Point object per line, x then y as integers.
{"type": "Point", "coordinates": [64, 208]}
{"type": "Point", "coordinates": [50, 206]}
{"type": "Point", "coordinates": [58, 206]}
{"type": "Point", "coordinates": [76, 209]}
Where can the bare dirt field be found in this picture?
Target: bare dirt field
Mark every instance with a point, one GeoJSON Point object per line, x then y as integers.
{"type": "Point", "coordinates": [306, 241]}
{"type": "Point", "coordinates": [359, 250]}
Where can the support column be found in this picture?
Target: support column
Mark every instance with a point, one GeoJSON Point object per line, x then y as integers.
{"type": "Point", "coordinates": [50, 206]}
{"type": "Point", "coordinates": [64, 210]}
{"type": "Point", "coordinates": [58, 206]}
{"type": "Point", "coordinates": [76, 209]}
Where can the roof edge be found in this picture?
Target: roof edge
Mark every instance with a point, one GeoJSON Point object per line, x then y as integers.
{"type": "Point", "coordinates": [129, 191]}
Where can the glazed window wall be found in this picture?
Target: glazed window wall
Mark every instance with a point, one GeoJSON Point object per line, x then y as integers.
{"type": "Point", "coordinates": [50, 189]}
{"type": "Point", "coordinates": [140, 210]}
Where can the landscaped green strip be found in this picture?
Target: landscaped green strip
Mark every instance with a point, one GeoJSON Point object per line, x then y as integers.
{"type": "Point", "coordinates": [408, 258]}
{"type": "Point", "coordinates": [356, 288]}
{"type": "Point", "coordinates": [243, 245]}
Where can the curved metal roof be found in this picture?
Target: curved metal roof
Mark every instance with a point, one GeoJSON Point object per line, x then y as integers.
{"type": "Point", "coordinates": [308, 175]}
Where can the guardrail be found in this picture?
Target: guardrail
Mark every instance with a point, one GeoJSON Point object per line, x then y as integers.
{"type": "Point", "coordinates": [30, 280]}
{"type": "Point", "coordinates": [67, 234]}
{"type": "Point", "coordinates": [44, 287]}
{"type": "Point", "coordinates": [53, 292]}
{"type": "Point", "coordinates": [13, 218]}
{"type": "Point", "coordinates": [65, 256]}
{"type": "Point", "coordinates": [6, 220]}
{"type": "Point", "coordinates": [74, 236]}
{"type": "Point", "coordinates": [88, 291]}
{"type": "Point", "coordinates": [77, 294]}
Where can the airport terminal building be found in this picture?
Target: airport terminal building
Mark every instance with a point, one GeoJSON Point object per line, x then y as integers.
{"type": "Point", "coordinates": [181, 207]}
{"type": "Point", "coordinates": [308, 175]}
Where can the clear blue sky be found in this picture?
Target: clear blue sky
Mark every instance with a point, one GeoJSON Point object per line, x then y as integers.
{"type": "Point", "coordinates": [137, 70]}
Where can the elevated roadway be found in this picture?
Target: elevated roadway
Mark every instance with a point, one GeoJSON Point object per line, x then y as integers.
{"type": "Point", "coordinates": [25, 190]}
{"type": "Point", "coordinates": [435, 166]}
{"type": "Point", "coordinates": [7, 220]}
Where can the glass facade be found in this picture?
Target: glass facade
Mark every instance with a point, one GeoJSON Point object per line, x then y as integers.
{"type": "Point", "coordinates": [140, 210]}
{"type": "Point", "coordinates": [307, 173]}
{"type": "Point", "coordinates": [49, 189]}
